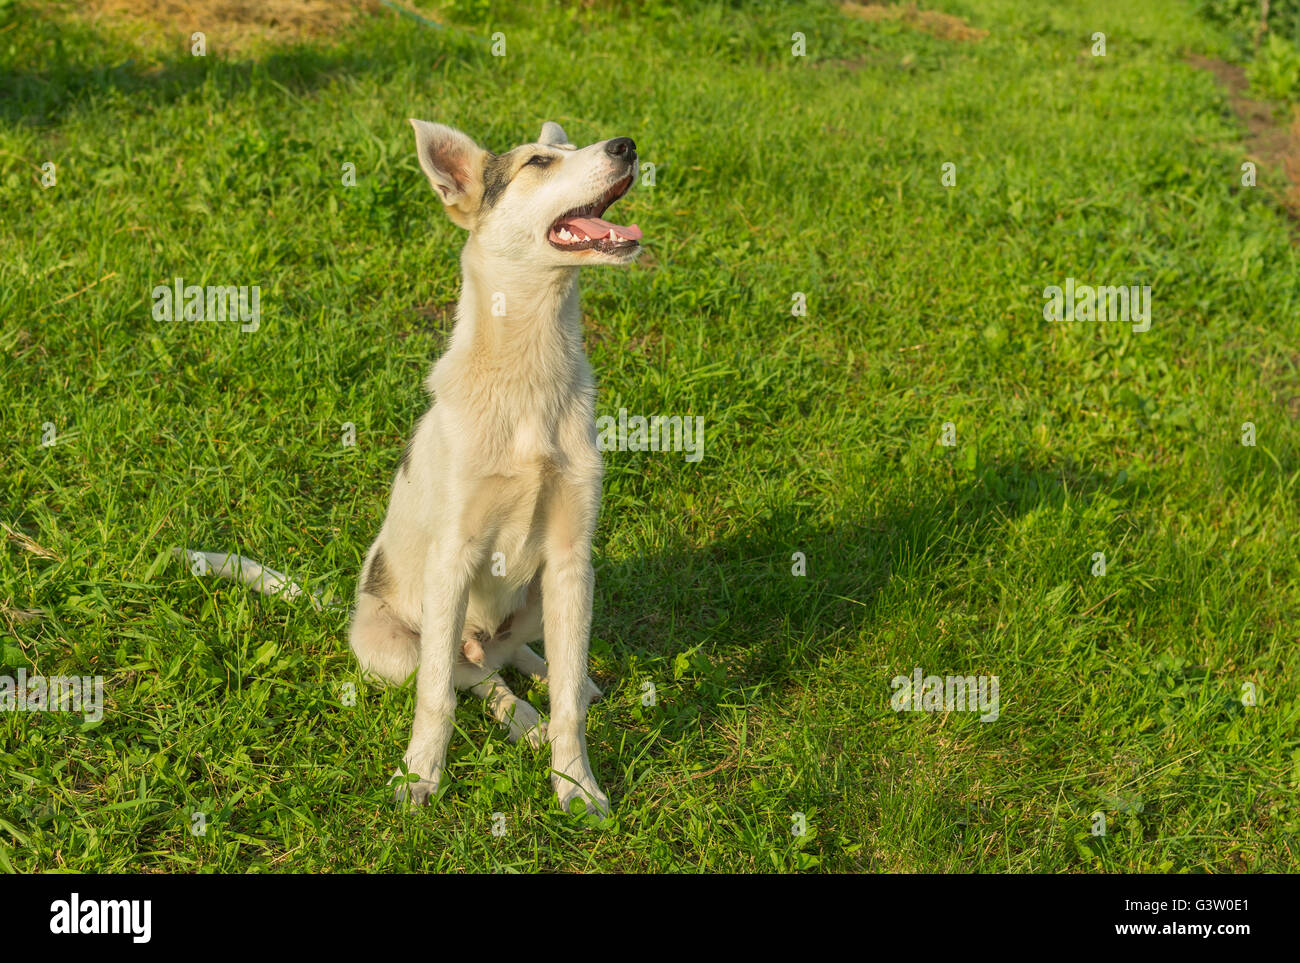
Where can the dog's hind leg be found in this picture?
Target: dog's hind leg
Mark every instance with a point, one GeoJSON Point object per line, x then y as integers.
{"type": "Point", "coordinates": [385, 647]}
{"type": "Point", "coordinates": [531, 664]}
{"type": "Point", "coordinates": [525, 627]}
{"type": "Point", "coordinates": [507, 708]}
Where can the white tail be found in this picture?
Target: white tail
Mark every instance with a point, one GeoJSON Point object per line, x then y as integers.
{"type": "Point", "coordinates": [238, 568]}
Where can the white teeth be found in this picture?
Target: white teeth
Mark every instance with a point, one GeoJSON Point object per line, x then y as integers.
{"type": "Point", "coordinates": [585, 238]}
{"type": "Point", "coordinates": [564, 234]}
{"type": "Point", "coordinates": [614, 237]}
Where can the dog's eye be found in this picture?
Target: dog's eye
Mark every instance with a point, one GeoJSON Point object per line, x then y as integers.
{"type": "Point", "coordinates": [539, 160]}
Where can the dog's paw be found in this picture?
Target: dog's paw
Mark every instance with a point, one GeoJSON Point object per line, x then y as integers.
{"type": "Point", "coordinates": [592, 692]}
{"type": "Point", "coordinates": [570, 793]}
{"type": "Point", "coordinates": [413, 794]}
{"type": "Point", "coordinates": [526, 723]}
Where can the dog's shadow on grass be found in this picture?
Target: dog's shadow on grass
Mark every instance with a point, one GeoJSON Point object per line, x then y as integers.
{"type": "Point", "coordinates": [748, 616]}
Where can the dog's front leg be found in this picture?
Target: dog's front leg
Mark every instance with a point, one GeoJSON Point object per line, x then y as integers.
{"type": "Point", "coordinates": [567, 585]}
{"type": "Point", "coordinates": [447, 573]}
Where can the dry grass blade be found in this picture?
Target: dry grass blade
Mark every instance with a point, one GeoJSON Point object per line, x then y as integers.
{"type": "Point", "coordinates": [29, 545]}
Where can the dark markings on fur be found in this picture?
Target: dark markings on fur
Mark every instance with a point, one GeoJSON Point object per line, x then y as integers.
{"type": "Point", "coordinates": [405, 466]}
{"type": "Point", "coordinates": [503, 630]}
{"type": "Point", "coordinates": [496, 178]}
{"type": "Point", "coordinates": [378, 580]}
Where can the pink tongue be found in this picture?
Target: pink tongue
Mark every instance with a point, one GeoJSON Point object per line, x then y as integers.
{"type": "Point", "coordinates": [596, 228]}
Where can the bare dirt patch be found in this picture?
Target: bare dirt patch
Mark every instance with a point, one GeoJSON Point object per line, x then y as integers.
{"type": "Point", "coordinates": [945, 26]}
{"type": "Point", "coordinates": [232, 25]}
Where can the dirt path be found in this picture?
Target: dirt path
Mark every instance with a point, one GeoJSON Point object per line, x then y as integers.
{"type": "Point", "coordinates": [1273, 146]}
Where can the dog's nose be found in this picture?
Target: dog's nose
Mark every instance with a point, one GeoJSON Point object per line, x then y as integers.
{"type": "Point", "coordinates": [621, 147]}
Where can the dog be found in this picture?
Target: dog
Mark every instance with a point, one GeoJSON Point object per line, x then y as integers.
{"type": "Point", "coordinates": [486, 545]}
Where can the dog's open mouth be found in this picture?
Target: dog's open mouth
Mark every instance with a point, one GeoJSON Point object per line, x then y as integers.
{"type": "Point", "coordinates": [582, 228]}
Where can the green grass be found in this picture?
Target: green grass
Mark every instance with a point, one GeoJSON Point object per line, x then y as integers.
{"type": "Point", "coordinates": [775, 175]}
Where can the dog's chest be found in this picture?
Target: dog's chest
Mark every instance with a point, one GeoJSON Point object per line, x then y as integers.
{"type": "Point", "coordinates": [532, 450]}
{"type": "Point", "coordinates": [528, 437]}
{"type": "Point", "coordinates": [512, 513]}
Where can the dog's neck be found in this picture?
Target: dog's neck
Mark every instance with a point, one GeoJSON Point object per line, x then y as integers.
{"type": "Point", "coordinates": [510, 311]}
{"type": "Point", "coordinates": [515, 322]}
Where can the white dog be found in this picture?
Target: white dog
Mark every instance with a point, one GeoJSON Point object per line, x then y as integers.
{"type": "Point", "coordinates": [487, 543]}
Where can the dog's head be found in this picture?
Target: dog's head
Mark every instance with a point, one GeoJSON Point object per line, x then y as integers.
{"type": "Point", "coordinates": [539, 203]}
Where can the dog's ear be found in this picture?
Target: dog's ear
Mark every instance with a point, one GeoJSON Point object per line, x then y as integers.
{"type": "Point", "coordinates": [553, 135]}
{"type": "Point", "coordinates": [454, 165]}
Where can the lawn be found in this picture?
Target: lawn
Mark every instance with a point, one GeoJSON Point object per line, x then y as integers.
{"type": "Point", "coordinates": [919, 471]}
